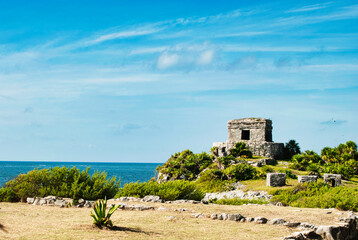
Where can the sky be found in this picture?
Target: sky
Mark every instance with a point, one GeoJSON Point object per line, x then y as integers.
{"type": "Point", "coordinates": [137, 81]}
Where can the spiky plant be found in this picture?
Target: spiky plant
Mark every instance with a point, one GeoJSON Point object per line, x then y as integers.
{"type": "Point", "coordinates": [100, 216]}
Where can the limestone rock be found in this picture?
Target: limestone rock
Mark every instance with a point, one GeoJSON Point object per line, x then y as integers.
{"type": "Point", "coordinates": [30, 200]}
{"type": "Point", "coordinates": [235, 217]}
{"type": "Point", "coordinates": [277, 221]}
{"type": "Point", "coordinates": [292, 224]}
{"type": "Point", "coordinates": [150, 198]}
{"type": "Point", "coordinates": [260, 220]}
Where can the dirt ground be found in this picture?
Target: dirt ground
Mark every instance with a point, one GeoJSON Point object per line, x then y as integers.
{"type": "Point", "coordinates": [23, 221]}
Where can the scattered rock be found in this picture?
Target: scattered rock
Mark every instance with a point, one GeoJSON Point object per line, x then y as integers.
{"type": "Point", "coordinates": [30, 200]}
{"type": "Point", "coordinates": [127, 199]}
{"type": "Point", "coordinates": [214, 216]}
{"type": "Point", "coordinates": [172, 218]}
{"type": "Point", "coordinates": [250, 219]}
{"type": "Point", "coordinates": [198, 215]}
{"type": "Point", "coordinates": [260, 220]}
{"type": "Point", "coordinates": [181, 210]}
{"type": "Point", "coordinates": [162, 209]}
{"type": "Point", "coordinates": [277, 221]}
{"type": "Point", "coordinates": [292, 224]}
{"type": "Point", "coordinates": [235, 217]}
{"type": "Point", "coordinates": [150, 198]}
{"type": "Point", "coordinates": [237, 194]}
{"type": "Point", "coordinates": [184, 201]}
{"type": "Point", "coordinates": [307, 226]}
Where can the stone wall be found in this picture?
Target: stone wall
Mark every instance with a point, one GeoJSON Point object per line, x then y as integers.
{"type": "Point", "coordinates": [260, 129]}
{"type": "Point", "coordinates": [258, 138]}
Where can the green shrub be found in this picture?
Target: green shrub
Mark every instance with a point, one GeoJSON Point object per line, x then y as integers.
{"type": "Point", "coordinates": [289, 173]}
{"type": "Point", "coordinates": [169, 191]}
{"type": "Point", "coordinates": [100, 216]}
{"type": "Point", "coordinates": [238, 201]}
{"type": "Point", "coordinates": [267, 169]}
{"type": "Point", "coordinates": [8, 195]}
{"type": "Point", "coordinates": [61, 182]}
{"type": "Point", "coordinates": [240, 150]}
{"type": "Point", "coordinates": [240, 172]}
{"type": "Point", "coordinates": [303, 160]}
{"type": "Point", "coordinates": [318, 195]}
{"type": "Point", "coordinates": [344, 169]}
{"type": "Point", "coordinates": [186, 165]}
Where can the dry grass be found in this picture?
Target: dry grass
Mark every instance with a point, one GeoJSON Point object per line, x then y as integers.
{"type": "Point", "coordinates": [22, 221]}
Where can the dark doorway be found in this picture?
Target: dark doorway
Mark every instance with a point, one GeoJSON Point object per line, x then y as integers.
{"type": "Point", "coordinates": [333, 182]}
{"type": "Point", "coordinates": [245, 135]}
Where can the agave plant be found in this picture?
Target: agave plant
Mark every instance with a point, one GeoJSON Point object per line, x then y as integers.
{"type": "Point", "coordinates": [100, 217]}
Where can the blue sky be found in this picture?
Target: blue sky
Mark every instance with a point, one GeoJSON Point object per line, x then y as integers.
{"type": "Point", "coordinates": [136, 81]}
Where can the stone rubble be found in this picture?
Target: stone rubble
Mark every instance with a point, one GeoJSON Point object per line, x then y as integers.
{"type": "Point", "coordinates": [237, 194]}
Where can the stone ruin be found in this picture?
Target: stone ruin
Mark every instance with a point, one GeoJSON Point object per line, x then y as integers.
{"type": "Point", "coordinates": [307, 178]}
{"type": "Point", "coordinates": [275, 179]}
{"type": "Point", "coordinates": [256, 133]}
{"type": "Point", "coordinates": [334, 180]}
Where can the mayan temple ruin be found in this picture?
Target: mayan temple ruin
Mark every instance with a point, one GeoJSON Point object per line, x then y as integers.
{"type": "Point", "coordinates": [256, 133]}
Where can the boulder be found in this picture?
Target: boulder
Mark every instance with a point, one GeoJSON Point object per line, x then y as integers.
{"type": "Point", "coordinates": [36, 201]}
{"type": "Point", "coordinates": [30, 200]}
{"type": "Point", "coordinates": [277, 221]}
{"type": "Point", "coordinates": [260, 220]}
{"type": "Point", "coordinates": [235, 217]}
{"type": "Point", "coordinates": [292, 224]}
{"type": "Point", "coordinates": [150, 198]}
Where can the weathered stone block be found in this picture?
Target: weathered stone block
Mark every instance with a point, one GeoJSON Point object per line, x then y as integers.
{"type": "Point", "coordinates": [275, 179]}
{"type": "Point", "coordinates": [307, 178]}
{"type": "Point", "coordinates": [334, 180]}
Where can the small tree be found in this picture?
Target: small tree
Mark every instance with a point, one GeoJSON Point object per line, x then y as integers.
{"type": "Point", "coordinates": [291, 148]}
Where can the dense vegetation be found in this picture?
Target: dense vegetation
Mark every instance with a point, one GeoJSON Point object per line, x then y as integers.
{"type": "Point", "coordinates": [342, 159]}
{"type": "Point", "coordinates": [61, 182]}
{"type": "Point", "coordinates": [318, 195]}
{"type": "Point", "coordinates": [209, 169]}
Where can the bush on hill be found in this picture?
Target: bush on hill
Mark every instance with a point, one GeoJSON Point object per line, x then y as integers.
{"type": "Point", "coordinates": [185, 165]}
{"type": "Point", "coordinates": [61, 182]}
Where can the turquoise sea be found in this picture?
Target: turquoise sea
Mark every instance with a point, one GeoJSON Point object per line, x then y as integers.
{"type": "Point", "coordinates": [127, 172]}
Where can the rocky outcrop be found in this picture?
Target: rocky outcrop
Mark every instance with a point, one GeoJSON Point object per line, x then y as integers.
{"type": "Point", "coordinates": [58, 202]}
{"type": "Point", "coordinates": [238, 194]}
{"type": "Point", "coordinates": [345, 231]}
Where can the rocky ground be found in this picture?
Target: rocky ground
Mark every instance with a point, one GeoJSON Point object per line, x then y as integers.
{"type": "Point", "coordinates": [150, 218]}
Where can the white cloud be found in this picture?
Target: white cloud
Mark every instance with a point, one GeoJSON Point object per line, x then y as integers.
{"type": "Point", "coordinates": [206, 57]}
{"type": "Point", "coordinates": [167, 60]}
{"type": "Point", "coordinates": [308, 8]}
{"type": "Point", "coordinates": [118, 35]}
{"type": "Point", "coordinates": [243, 34]}
{"type": "Point", "coordinates": [148, 50]}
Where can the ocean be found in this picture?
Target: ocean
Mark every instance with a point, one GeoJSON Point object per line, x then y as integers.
{"type": "Point", "coordinates": [127, 172]}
